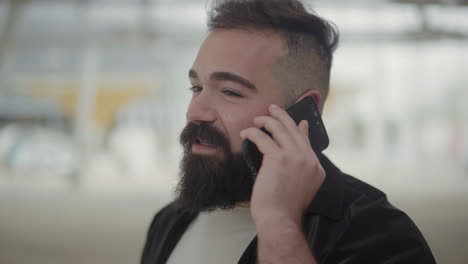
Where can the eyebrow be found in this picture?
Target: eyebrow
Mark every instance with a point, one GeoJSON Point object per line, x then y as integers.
{"type": "Point", "coordinates": [227, 76]}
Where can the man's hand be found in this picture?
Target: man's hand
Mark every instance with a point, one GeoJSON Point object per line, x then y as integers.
{"type": "Point", "coordinates": [287, 182]}
{"type": "Point", "coordinates": [290, 174]}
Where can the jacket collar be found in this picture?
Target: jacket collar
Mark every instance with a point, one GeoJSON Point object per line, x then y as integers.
{"type": "Point", "coordinates": [329, 199]}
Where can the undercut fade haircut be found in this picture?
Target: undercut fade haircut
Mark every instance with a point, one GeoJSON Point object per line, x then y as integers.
{"type": "Point", "coordinates": [309, 40]}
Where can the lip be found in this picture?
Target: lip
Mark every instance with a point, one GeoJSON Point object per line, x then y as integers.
{"type": "Point", "coordinates": [200, 148]}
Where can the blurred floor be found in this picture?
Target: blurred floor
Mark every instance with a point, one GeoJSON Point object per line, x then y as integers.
{"type": "Point", "coordinates": [56, 227]}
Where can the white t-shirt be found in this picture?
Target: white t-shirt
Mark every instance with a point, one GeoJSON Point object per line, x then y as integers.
{"type": "Point", "coordinates": [215, 238]}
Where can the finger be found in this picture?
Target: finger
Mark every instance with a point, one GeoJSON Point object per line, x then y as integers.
{"type": "Point", "coordinates": [263, 142]}
{"type": "Point", "coordinates": [279, 133]}
{"type": "Point", "coordinates": [283, 116]}
{"type": "Point", "coordinates": [304, 128]}
{"type": "Point", "coordinates": [289, 123]}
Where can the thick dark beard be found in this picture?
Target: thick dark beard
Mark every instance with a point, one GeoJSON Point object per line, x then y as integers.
{"type": "Point", "coordinates": [211, 182]}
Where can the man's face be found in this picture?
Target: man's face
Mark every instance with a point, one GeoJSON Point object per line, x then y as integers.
{"type": "Point", "coordinates": [225, 58]}
{"type": "Point", "coordinates": [232, 83]}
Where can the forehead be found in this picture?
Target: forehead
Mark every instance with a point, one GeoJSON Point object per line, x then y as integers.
{"type": "Point", "coordinates": [247, 53]}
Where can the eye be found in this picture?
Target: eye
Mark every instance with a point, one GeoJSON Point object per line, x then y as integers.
{"type": "Point", "coordinates": [231, 93]}
{"type": "Point", "coordinates": [195, 89]}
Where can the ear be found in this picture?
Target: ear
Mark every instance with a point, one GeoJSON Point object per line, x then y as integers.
{"type": "Point", "coordinates": [314, 94]}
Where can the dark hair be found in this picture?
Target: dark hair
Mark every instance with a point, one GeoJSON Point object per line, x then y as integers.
{"type": "Point", "coordinates": [304, 33]}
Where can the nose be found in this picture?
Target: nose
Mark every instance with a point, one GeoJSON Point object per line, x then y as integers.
{"type": "Point", "coordinates": [201, 109]}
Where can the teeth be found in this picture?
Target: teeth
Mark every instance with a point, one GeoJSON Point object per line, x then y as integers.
{"type": "Point", "coordinates": [203, 142]}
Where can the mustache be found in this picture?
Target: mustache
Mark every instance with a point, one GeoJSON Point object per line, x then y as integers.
{"type": "Point", "coordinates": [203, 132]}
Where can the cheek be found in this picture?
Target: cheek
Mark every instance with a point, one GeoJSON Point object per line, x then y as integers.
{"type": "Point", "coordinates": [234, 134]}
{"type": "Point", "coordinates": [236, 125]}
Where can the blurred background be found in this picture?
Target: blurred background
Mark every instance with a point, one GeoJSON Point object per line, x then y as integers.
{"type": "Point", "coordinates": [93, 96]}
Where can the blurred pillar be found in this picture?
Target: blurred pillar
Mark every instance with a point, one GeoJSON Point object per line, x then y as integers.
{"type": "Point", "coordinates": [423, 17]}
{"type": "Point", "coordinates": [146, 18]}
{"type": "Point", "coordinates": [15, 8]}
{"type": "Point", "coordinates": [465, 135]}
{"type": "Point", "coordinates": [86, 94]}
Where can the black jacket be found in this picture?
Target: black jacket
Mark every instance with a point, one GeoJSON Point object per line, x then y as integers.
{"type": "Point", "coordinates": [348, 222]}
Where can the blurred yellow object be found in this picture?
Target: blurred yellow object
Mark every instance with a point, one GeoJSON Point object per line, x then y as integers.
{"type": "Point", "coordinates": [111, 95]}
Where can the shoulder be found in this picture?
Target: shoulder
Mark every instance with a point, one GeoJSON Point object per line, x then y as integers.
{"type": "Point", "coordinates": [363, 200]}
{"type": "Point", "coordinates": [376, 231]}
{"type": "Point", "coordinates": [354, 221]}
{"type": "Point", "coordinates": [343, 196]}
{"type": "Point", "coordinates": [368, 211]}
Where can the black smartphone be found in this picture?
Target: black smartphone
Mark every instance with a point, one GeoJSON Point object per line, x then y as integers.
{"type": "Point", "coordinates": [306, 109]}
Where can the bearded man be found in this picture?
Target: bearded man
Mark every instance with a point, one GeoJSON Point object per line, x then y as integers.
{"type": "Point", "coordinates": [259, 58]}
